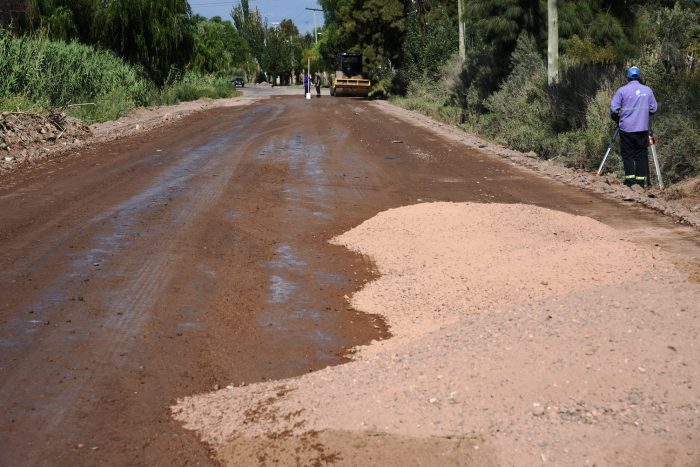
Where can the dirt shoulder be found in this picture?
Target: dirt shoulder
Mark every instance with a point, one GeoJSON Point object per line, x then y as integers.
{"type": "Point", "coordinates": [28, 140]}
{"type": "Point", "coordinates": [681, 202]}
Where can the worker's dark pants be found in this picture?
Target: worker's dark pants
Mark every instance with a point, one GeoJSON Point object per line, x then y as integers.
{"type": "Point", "coordinates": [635, 156]}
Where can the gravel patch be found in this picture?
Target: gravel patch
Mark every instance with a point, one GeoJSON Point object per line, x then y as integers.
{"type": "Point", "coordinates": [538, 335]}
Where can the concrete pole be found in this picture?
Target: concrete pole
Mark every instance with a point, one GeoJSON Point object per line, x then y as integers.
{"type": "Point", "coordinates": [460, 20]}
{"type": "Point", "coordinates": [314, 10]}
{"type": "Point", "coordinates": [552, 42]}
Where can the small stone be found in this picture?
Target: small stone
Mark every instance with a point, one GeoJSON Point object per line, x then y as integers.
{"type": "Point", "coordinates": [537, 409]}
{"type": "Point", "coordinates": [433, 400]}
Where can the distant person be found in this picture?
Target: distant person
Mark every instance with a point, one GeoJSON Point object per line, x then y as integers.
{"type": "Point", "coordinates": [630, 108]}
{"type": "Point", "coordinates": [307, 83]}
{"type": "Point", "coordinates": [317, 80]}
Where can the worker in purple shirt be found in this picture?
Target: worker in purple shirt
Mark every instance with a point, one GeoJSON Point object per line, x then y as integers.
{"type": "Point", "coordinates": [630, 108]}
{"type": "Point", "coordinates": [307, 83]}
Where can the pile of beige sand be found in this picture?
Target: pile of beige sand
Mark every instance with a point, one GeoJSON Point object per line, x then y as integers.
{"type": "Point", "coordinates": [521, 336]}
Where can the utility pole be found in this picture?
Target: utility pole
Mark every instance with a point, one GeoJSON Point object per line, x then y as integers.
{"type": "Point", "coordinates": [460, 21]}
{"type": "Point", "coordinates": [552, 42]}
{"type": "Point", "coordinates": [314, 10]}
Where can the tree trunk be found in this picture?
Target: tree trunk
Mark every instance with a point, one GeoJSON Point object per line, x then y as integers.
{"type": "Point", "coordinates": [552, 42]}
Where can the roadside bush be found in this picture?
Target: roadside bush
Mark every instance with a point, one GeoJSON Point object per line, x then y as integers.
{"type": "Point", "coordinates": [46, 74]}
{"type": "Point", "coordinates": [519, 113]}
{"type": "Point", "coordinates": [107, 107]}
{"type": "Point", "coordinates": [570, 120]}
{"type": "Point", "coordinates": [94, 85]}
{"type": "Point", "coordinates": [594, 137]}
{"type": "Point", "coordinates": [426, 48]}
{"type": "Point", "coordinates": [433, 96]}
{"type": "Point", "coordinates": [194, 86]}
{"type": "Point", "coordinates": [678, 143]}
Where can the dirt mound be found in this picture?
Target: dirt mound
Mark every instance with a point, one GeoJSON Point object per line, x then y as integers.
{"type": "Point", "coordinates": [28, 137]}
{"type": "Point", "coordinates": [534, 334]}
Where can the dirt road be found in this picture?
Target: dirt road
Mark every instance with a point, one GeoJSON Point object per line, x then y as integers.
{"type": "Point", "coordinates": [184, 259]}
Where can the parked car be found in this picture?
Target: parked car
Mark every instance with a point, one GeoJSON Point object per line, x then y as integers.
{"type": "Point", "coordinates": [238, 82]}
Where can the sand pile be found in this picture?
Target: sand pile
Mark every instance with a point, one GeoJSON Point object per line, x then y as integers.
{"type": "Point", "coordinates": [521, 336]}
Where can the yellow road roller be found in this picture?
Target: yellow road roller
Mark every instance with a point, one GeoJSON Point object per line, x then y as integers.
{"type": "Point", "coordinates": [349, 79]}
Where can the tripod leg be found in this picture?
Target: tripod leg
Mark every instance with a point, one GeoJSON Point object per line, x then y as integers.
{"type": "Point", "coordinates": [602, 164]}
{"type": "Point", "coordinates": [656, 166]}
{"type": "Point", "coordinates": [607, 153]}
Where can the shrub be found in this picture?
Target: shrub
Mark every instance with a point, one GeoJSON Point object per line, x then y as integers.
{"type": "Point", "coordinates": [194, 86]}
{"type": "Point", "coordinates": [519, 113]}
{"type": "Point", "coordinates": [54, 74]}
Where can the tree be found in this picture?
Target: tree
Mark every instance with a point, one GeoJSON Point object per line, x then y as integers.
{"type": "Point", "coordinates": [431, 39]}
{"type": "Point", "coordinates": [65, 19]}
{"type": "Point", "coordinates": [156, 34]}
{"type": "Point", "coordinates": [499, 23]}
{"type": "Point", "coordinates": [218, 47]}
{"type": "Point", "coordinates": [288, 29]}
{"type": "Point", "coordinates": [251, 26]}
{"type": "Point", "coordinates": [282, 54]}
{"type": "Point", "coordinates": [374, 27]}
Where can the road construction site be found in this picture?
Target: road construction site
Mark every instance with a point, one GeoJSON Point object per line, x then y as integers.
{"type": "Point", "coordinates": [337, 281]}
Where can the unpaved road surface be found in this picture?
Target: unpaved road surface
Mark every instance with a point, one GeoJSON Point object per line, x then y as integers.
{"type": "Point", "coordinates": [197, 256]}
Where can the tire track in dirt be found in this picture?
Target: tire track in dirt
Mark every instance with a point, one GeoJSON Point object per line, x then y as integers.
{"type": "Point", "coordinates": [128, 274]}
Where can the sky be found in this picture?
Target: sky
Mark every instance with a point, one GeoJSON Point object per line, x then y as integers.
{"type": "Point", "coordinates": [274, 10]}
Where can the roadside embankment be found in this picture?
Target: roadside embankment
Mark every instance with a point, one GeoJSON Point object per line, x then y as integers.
{"type": "Point", "coordinates": [681, 202]}
{"type": "Point", "coordinates": [28, 139]}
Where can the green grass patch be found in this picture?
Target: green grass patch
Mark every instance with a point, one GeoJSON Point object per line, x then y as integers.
{"type": "Point", "coordinates": [37, 74]}
{"type": "Point", "coordinates": [194, 86]}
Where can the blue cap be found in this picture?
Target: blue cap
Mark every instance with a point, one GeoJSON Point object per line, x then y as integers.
{"type": "Point", "coordinates": [634, 73]}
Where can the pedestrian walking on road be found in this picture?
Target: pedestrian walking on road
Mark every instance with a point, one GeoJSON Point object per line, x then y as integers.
{"type": "Point", "coordinates": [631, 107]}
{"type": "Point", "coordinates": [307, 83]}
{"type": "Point", "coordinates": [317, 82]}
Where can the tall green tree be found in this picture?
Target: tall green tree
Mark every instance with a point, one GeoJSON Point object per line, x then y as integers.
{"type": "Point", "coordinates": [430, 40]}
{"type": "Point", "coordinates": [156, 34]}
{"type": "Point", "coordinates": [283, 51]}
{"type": "Point", "coordinates": [375, 28]}
{"type": "Point", "coordinates": [65, 19]}
{"type": "Point", "coordinates": [499, 23]}
{"type": "Point", "coordinates": [218, 47]}
{"type": "Point", "coordinates": [252, 27]}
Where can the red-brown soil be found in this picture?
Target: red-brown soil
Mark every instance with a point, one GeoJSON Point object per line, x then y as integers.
{"type": "Point", "coordinates": [196, 256]}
